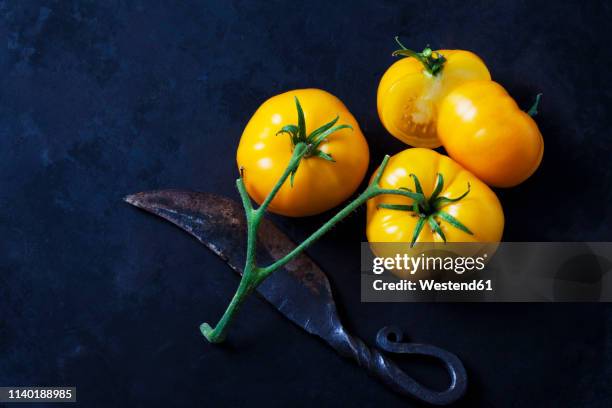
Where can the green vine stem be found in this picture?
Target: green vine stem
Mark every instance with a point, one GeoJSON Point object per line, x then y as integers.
{"type": "Point", "coordinates": [431, 60]}
{"type": "Point", "coordinates": [253, 275]}
{"type": "Point", "coordinates": [534, 108]}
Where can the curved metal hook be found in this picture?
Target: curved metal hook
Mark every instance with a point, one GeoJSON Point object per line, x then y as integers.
{"type": "Point", "coordinates": [406, 384]}
{"type": "Point", "coordinates": [382, 367]}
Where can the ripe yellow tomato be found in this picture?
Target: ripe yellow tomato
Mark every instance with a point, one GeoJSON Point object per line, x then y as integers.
{"type": "Point", "coordinates": [411, 90]}
{"type": "Point", "coordinates": [483, 129]}
{"type": "Point", "coordinates": [458, 206]}
{"type": "Point", "coordinates": [324, 178]}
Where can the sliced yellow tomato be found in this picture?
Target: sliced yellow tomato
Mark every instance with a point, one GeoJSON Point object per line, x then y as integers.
{"type": "Point", "coordinates": [411, 90]}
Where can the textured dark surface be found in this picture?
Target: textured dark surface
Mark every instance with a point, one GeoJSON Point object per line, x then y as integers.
{"type": "Point", "coordinates": [101, 99]}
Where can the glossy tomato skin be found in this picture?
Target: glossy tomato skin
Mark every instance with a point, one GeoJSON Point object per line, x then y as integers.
{"type": "Point", "coordinates": [480, 211]}
{"type": "Point", "coordinates": [408, 96]}
{"type": "Point", "coordinates": [318, 185]}
{"type": "Point", "coordinates": [483, 129]}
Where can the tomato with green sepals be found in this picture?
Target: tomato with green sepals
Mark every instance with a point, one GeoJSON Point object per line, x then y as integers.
{"type": "Point", "coordinates": [411, 90]}
{"type": "Point", "coordinates": [457, 206]}
{"type": "Point", "coordinates": [332, 168]}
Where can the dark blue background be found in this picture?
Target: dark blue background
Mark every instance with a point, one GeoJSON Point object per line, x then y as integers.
{"type": "Point", "coordinates": [101, 99]}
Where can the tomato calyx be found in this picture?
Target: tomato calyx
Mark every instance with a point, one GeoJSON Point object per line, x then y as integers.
{"type": "Point", "coordinates": [431, 60]}
{"type": "Point", "coordinates": [297, 134]}
{"type": "Point", "coordinates": [430, 210]}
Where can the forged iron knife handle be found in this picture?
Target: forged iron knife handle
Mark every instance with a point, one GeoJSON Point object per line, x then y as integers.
{"type": "Point", "coordinates": [394, 377]}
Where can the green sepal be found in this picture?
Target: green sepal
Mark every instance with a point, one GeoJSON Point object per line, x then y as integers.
{"type": "Point", "coordinates": [322, 129]}
{"type": "Point", "coordinates": [301, 120]}
{"type": "Point", "coordinates": [419, 189]}
{"type": "Point", "coordinates": [436, 228]}
{"type": "Point", "coordinates": [292, 131]}
{"type": "Point", "coordinates": [442, 201]}
{"type": "Point", "coordinates": [438, 188]}
{"type": "Point", "coordinates": [318, 139]}
{"type": "Point", "coordinates": [323, 155]}
{"type": "Point", "coordinates": [417, 184]}
{"type": "Point", "coordinates": [398, 207]}
{"type": "Point", "coordinates": [417, 230]}
{"type": "Point", "coordinates": [453, 221]}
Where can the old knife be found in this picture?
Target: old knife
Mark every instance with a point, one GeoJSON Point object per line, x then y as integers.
{"type": "Point", "coordinates": [300, 290]}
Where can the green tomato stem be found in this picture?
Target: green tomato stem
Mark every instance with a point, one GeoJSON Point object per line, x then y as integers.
{"type": "Point", "coordinates": [299, 151]}
{"type": "Point", "coordinates": [534, 108]}
{"type": "Point", "coordinates": [253, 275]}
{"type": "Point", "coordinates": [218, 334]}
{"type": "Point", "coordinates": [370, 192]}
{"type": "Point", "coordinates": [432, 61]}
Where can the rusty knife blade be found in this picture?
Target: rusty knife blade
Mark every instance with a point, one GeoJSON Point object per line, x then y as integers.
{"type": "Point", "coordinates": [300, 290]}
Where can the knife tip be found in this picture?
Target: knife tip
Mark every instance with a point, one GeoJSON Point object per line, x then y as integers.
{"type": "Point", "coordinates": [131, 199]}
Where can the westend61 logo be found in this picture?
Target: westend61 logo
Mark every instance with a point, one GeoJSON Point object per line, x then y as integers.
{"type": "Point", "coordinates": [412, 264]}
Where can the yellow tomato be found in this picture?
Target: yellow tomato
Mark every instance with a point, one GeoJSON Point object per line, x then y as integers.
{"type": "Point", "coordinates": [411, 89]}
{"type": "Point", "coordinates": [326, 176]}
{"type": "Point", "coordinates": [458, 206]}
{"type": "Point", "coordinates": [484, 130]}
